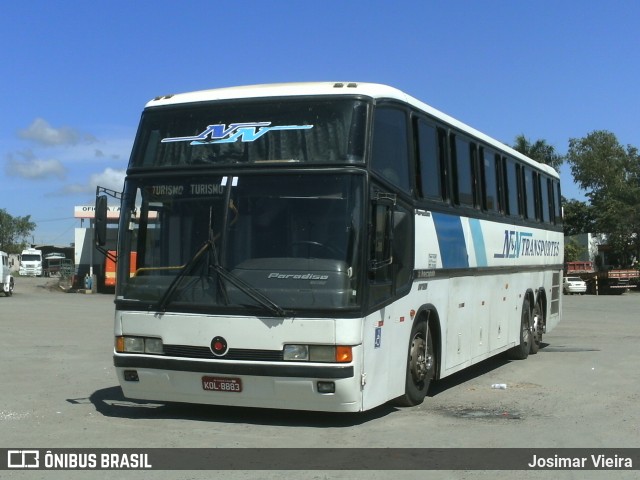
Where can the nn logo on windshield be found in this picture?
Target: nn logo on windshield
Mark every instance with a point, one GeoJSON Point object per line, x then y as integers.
{"type": "Point", "coordinates": [245, 132]}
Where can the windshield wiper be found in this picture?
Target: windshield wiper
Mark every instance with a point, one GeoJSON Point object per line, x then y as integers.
{"type": "Point", "coordinates": [250, 291]}
{"type": "Point", "coordinates": [223, 273]}
{"type": "Point", "coordinates": [168, 294]}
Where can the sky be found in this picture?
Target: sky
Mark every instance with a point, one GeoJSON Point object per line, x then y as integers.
{"type": "Point", "coordinates": [75, 75]}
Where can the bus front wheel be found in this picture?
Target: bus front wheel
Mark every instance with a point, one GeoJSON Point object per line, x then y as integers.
{"type": "Point", "coordinates": [420, 365]}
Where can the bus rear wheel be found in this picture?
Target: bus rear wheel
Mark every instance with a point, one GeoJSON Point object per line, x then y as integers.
{"type": "Point", "coordinates": [521, 351]}
{"type": "Point", "coordinates": [420, 365]}
{"type": "Point", "coordinates": [537, 327]}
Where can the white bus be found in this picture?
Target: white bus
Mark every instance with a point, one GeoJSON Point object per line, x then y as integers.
{"type": "Point", "coordinates": [325, 246]}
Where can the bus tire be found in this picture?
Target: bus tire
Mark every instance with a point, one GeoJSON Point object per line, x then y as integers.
{"type": "Point", "coordinates": [421, 363]}
{"type": "Point", "coordinates": [537, 326]}
{"type": "Point", "coordinates": [9, 291]}
{"type": "Point", "coordinates": [521, 351]}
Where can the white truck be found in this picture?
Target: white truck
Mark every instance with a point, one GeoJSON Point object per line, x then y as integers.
{"type": "Point", "coordinates": [31, 262]}
{"type": "Point", "coordinates": [6, 279]}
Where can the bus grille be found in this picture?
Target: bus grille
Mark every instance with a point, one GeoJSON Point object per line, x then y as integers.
{"type": "Point", "coordinates": [188, 351]}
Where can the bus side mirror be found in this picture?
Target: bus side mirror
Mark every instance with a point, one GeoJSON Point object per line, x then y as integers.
{"type": "Point", "coordinates": [382, 234]}
{"type": "Point", "coordinates": [100, 234]}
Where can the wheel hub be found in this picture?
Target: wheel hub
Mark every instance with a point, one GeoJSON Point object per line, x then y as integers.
{"type": "Point", "coordinates": [421, 360]}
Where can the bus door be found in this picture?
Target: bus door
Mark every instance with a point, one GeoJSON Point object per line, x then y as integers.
{"type": "Point", "coordinates": [387, 327]}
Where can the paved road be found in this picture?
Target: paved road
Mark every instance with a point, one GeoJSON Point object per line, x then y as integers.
{"type": "Point", "coordinates": [58, 389]}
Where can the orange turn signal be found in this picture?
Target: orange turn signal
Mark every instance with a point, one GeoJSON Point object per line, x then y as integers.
{"type": "Point", "coordinates": [343, 354]}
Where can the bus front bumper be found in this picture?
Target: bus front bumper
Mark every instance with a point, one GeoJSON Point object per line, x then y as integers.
{"type": "Point", "coordinates": [313, 387]}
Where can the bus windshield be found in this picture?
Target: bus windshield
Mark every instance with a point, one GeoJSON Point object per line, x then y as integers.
{"type": "Point", "coordinates": [249, 133]}
{"type": "Point", "coordinates": [266, 242]}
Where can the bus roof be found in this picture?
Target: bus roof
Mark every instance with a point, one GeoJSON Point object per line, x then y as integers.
{"type": "Point", "coordinates": [372, 90]}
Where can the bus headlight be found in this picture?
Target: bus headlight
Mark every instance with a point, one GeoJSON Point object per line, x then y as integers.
{"type": "Point", "coordinates": [318, 353]}
{"type": "Point", "coordinates": [296, 353]}
{"type": "Point", "coordinates": [133, 344]}
{"type": "Point", "coordinates": [151, 345]}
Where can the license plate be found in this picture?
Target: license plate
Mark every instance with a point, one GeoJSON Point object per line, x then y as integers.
{"type": "Point", "coordinates": [222, 384]}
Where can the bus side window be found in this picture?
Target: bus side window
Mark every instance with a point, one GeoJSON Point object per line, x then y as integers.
{"type": "Point", "coordinates": [512, 183]}
{"type": "Point", "coordinates": [464, 171]}
{"type": "Point", "coordinates": [390, 156]}
{"type": "Point", "coordinates": [501, 182]}
{"type": "Point", "coordinates": [529, 193]}
{"type": "Point", "coordinates": [557, 202]}
{"type": "Point", "coordinates": [430, 178]}
{"type": "Point", "coordinates": [545, 199]}
{"type": "Point", "coordinates": [537, 192]}
{"type": "Point", "coordinates": [444, 163]}
{"type": "Point", "coordinates": [490, 191]}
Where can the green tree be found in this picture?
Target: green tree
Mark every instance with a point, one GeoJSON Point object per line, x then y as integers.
{"type": "Point", "coordinates": [14, 231]}
{"type": "Point", "coordinates": [578, 217]}
{"type": "Point", "coordinates": [610, 174]}
{"type": "Point", "coordinates": [572, 251]}
{"type": "Point", "coordinates": [540, 151]}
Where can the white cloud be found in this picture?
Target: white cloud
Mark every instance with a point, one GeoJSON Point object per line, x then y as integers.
{"type": "Point", "coordinates": [41, 132]}
{"type": "Point", "coordinates": [73, 189]}
{"type": "Point", "coordinates": [110, 178]}
{"type": "Point", "coordinates": [34, 168]}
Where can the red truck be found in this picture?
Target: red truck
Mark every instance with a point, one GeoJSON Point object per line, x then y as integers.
{"type": "Point", "coordinates": [603, 281]}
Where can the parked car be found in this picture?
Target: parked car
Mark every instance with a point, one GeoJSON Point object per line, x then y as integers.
{"type": "Point", "coordinates": [573, 285]}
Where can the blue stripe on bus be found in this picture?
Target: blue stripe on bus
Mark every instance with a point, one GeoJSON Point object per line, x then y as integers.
{"type": "Point", "coordinates": [453, 249]}
{"type": "Point", "coordinates": [478, 242]}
